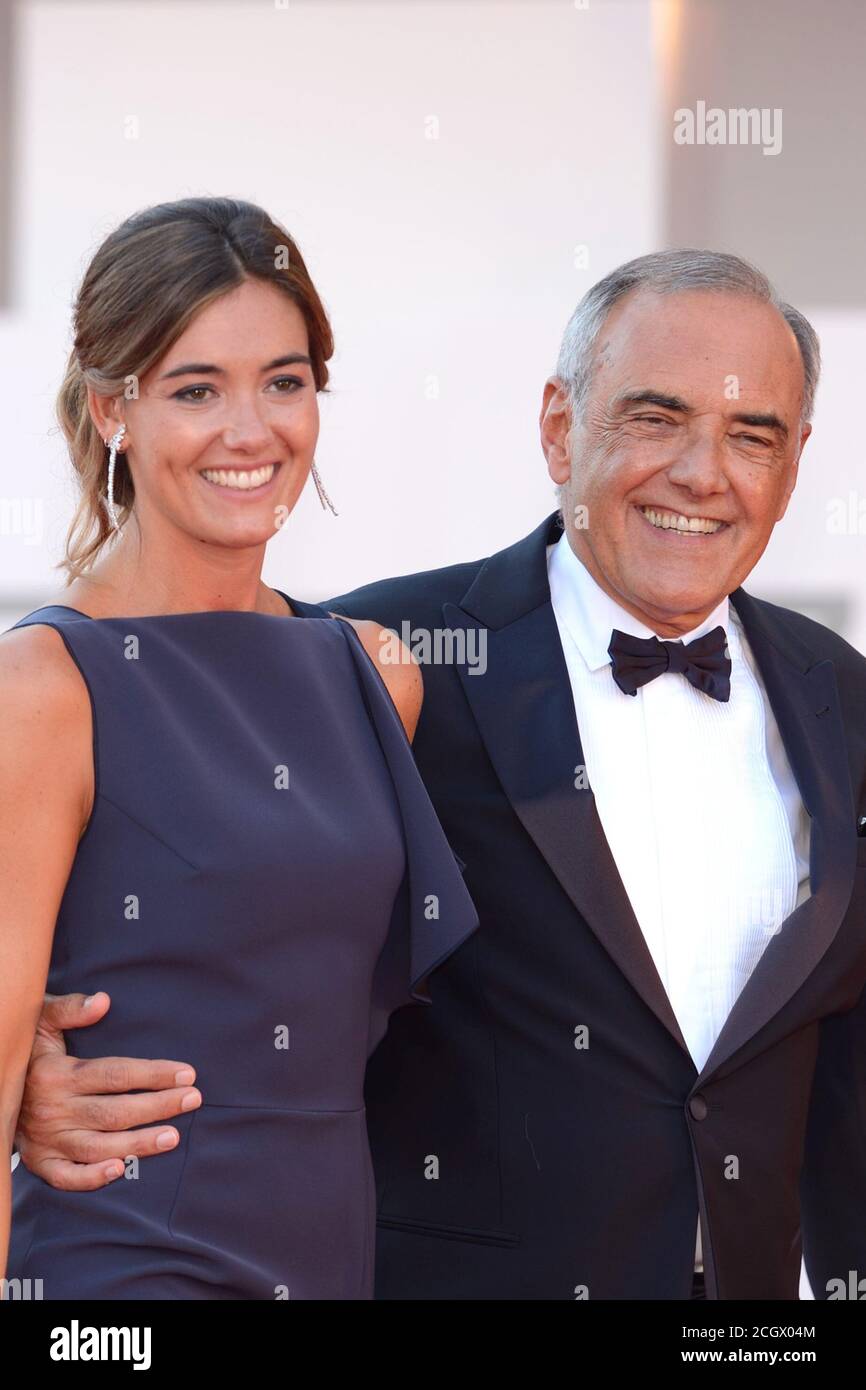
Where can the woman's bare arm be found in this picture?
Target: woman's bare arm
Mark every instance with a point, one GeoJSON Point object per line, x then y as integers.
{"type": "Point", "coordinates": [45, 791]}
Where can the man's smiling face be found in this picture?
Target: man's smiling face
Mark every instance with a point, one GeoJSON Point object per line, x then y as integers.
{"type": "Point", "coordinates": [693, 411]}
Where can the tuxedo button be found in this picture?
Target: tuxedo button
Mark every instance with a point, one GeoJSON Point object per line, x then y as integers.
{"type": "Point", "coordinates": [698, 1108]}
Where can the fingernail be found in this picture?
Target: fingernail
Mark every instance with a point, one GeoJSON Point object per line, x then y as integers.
{"type": "Point", "coordinates": [112, 1171]}
{"type": "Point", "coordinates": [88, 1001]}
{"type": "Point", "coordinates": [185, 1077]}
{"type": "Point", "coordinates": [167, 1139]}
{"type": "Point", "coordinates": [190, 1100]}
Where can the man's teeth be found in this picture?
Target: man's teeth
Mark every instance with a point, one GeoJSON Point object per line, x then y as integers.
{"type": "Point", "coordinates": [672, 521]}
{"type": "Point", "coordinates": [243, 480]}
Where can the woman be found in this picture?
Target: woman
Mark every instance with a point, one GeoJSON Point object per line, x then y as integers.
{"type": "Point", "coordinates": [209, 803]}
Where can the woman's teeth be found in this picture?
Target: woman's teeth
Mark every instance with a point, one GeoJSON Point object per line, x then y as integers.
{"type": "Point", "coordinates": [672, 521]}
{"type": "Point", "coordinates": [243, 480]}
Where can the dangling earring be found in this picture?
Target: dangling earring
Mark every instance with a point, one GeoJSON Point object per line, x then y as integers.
{"type": "Point", "coordinates": [112, 444]}
{"type": "Point", "coordinates": [323, 496]}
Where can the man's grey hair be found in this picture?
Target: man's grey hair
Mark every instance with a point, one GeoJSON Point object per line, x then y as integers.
{"type": "Point", "coordinates": [668, 272]}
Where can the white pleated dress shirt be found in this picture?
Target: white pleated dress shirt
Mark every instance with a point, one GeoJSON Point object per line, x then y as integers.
{"type": "Point", "coordinates": [722, 856]}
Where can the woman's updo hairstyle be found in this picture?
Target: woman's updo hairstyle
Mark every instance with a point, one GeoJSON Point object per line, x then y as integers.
{"type": "Point", "coordinates": [145, 283]}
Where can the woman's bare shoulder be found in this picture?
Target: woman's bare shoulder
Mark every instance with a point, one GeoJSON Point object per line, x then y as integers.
{"type": "Point", "coordinates": [397, 667]}
{"type": "Point", "coordinates": [39, 679]}
{"type": "Point", "coordinates": [46, 775]}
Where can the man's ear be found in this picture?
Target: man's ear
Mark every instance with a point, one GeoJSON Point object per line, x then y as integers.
{"type": "Point", "coordinates": [554, 426]}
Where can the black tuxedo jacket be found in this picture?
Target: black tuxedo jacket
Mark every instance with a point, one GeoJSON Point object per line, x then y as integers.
{"type": "Point", "coordinates": [513, 1164]}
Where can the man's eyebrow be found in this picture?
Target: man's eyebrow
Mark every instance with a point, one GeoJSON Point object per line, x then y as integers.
{"type": "Point", "coordinates": [762, 420]}
{"type": "Point", "coordinates": [653, 398]}
{"type": "Point", "coordinates": [210, 369]}
{"type": "Point", "coordinates": [767, 422]}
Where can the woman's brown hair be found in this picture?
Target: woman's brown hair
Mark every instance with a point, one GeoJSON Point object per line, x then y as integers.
{"type": "Point", "coordinates": [145, 283]}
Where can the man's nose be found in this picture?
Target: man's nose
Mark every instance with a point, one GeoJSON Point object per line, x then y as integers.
{"type": "Point", "coordinates": [699, 466]}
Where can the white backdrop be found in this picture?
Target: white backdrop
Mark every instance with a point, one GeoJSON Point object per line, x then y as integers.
{"type": "Point", "coordinates": [447, 264]}
{"type": "Point", "coordinates": [439, 164]}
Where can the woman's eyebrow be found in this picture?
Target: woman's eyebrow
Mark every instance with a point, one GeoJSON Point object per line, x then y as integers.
{"type": "Point", "coordinates": [210, 369]}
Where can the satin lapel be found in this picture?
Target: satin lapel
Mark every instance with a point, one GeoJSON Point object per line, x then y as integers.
{"type": "Point", "coordinates": [524, 709]}
{"type": "Point", "coordinates": [805, 702]}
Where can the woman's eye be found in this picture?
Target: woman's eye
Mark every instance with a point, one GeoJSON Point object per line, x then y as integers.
{"type": "Point", "coordinates": [286, 384]}
{"type": "Point", "coordinates": [188, 393]}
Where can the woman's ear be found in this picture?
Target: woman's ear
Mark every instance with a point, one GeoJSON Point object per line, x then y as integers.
{"type": "Point", "coordinates": [106, 412]}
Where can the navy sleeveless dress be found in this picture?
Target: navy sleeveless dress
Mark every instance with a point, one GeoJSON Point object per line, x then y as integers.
{"type": "Point", "coordinates": [262, 882]}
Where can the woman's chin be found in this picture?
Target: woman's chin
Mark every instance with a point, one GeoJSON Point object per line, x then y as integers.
{"type": "Point", "coordinates": [243, 525]}
{"type": "Point", "coordinates": [240, 534]}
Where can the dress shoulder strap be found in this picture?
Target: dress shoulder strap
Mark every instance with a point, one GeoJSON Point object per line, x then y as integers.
{"type": "Point", "coordinates": [52, 614]}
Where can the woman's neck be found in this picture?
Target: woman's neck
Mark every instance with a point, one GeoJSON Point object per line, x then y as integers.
{"type": "Point", "coordinates": [131, 585]}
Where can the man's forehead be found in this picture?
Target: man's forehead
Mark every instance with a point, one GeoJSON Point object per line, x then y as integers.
{"type": "Point", "coordinates": [687, 349]}
{"type": "Point", "coordinates": [712, 320]}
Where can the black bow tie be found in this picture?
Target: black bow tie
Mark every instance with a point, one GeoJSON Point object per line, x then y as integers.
{"type": "Point", "coordinates": [705, 661]}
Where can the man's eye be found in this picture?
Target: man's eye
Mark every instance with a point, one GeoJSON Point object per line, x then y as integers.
{"type": "Point", "coordinates": [292, 383]}
{"type": "Point", "coordinates": [654, 419]}
{"type": "Point", "coordinates": [754, 439]}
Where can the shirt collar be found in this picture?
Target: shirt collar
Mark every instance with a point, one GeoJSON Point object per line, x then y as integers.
{"type": "Point", "coordinates": [590, 614]}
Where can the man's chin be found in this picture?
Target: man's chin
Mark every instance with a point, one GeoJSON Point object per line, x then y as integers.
{"type": "Point", "coordinates": [681, 607]}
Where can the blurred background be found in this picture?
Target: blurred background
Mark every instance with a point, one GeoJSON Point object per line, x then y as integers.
{"type": "Point", "coordinates": [457, 175]}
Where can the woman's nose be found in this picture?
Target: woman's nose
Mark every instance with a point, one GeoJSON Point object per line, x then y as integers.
{"type": "Point", "coordinates": [245, 428]}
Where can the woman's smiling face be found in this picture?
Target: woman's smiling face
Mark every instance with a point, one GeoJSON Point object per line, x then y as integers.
{"type": "Point", "coordinates": [222, 435]}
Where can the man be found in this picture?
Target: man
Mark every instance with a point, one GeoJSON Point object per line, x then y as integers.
{"type": "Point", "coordinates": [656, 782]}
